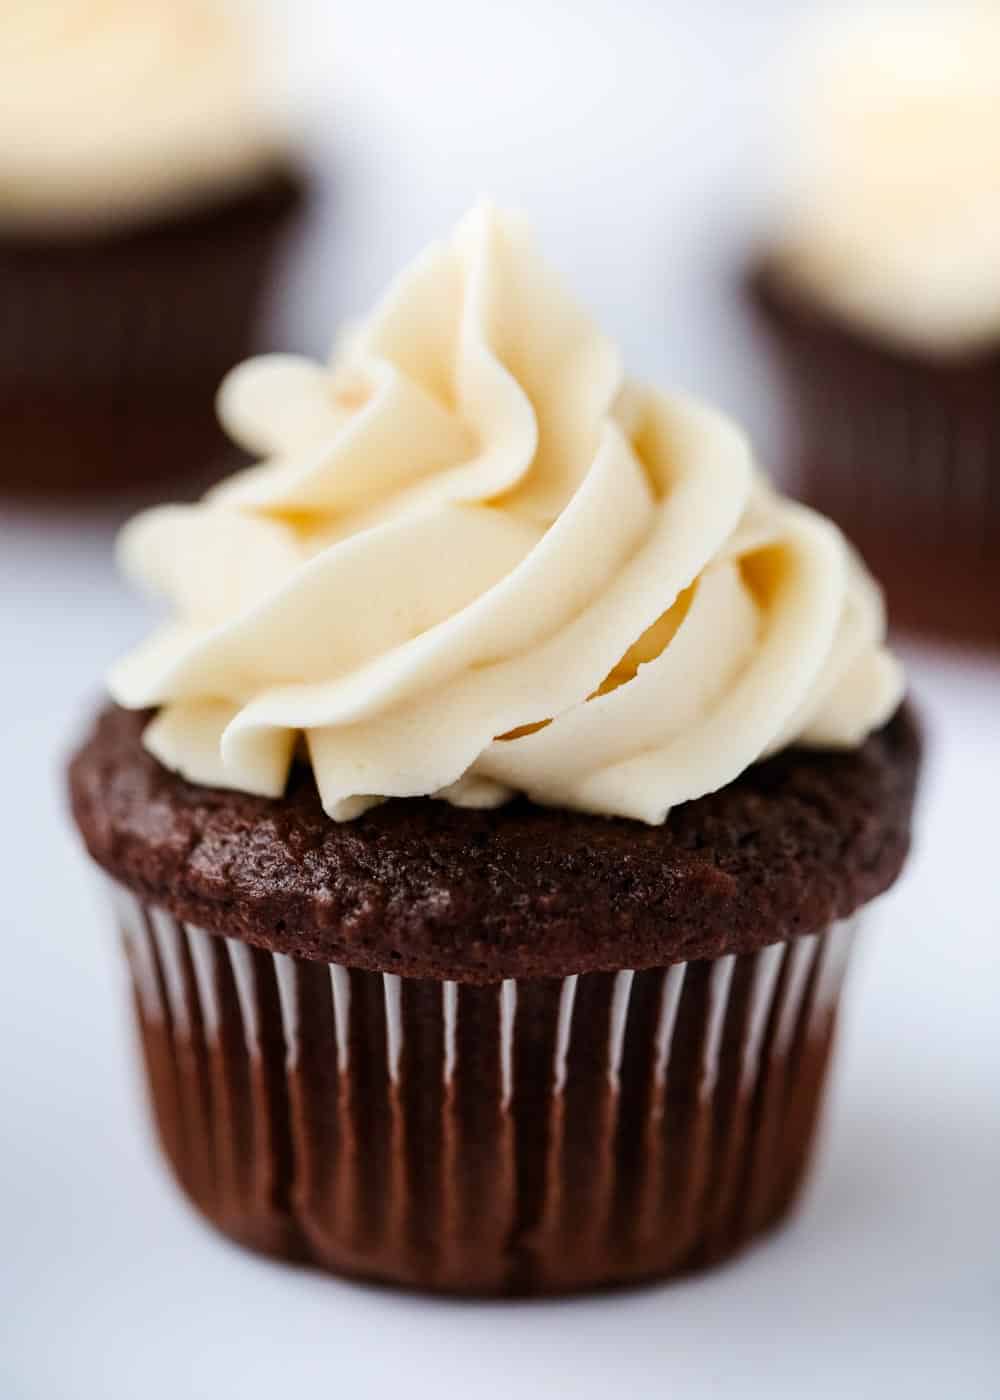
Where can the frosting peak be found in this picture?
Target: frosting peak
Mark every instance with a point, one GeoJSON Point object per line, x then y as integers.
{"type": "Point", "coordinates": [113, 110]}
{"type": "Point", "coordinates": [476, 560]}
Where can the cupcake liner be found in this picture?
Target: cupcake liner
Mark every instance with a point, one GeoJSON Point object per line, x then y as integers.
{"type": "Point", "coordinates": [113, 344]}
{"type": "Point", "coordinates": [531, 1136]}
{"type": "Point", "coordinates": [904, 452]}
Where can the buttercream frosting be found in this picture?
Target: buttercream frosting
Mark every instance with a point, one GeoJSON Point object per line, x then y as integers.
{"type": "Point", "coordinates": [895, 214]}
{"type": "Point", "coordinates": [116, 110]}
{"type": "Point", "coordinates": [474, 559]}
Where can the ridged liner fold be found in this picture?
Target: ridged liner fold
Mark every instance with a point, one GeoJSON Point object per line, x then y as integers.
{"type": "Point", "coordinates": [903, 451]}
{"type": "Point", "coordinates": [112, 345]}
{"type": "Point", "coordinates": [527, 1137]}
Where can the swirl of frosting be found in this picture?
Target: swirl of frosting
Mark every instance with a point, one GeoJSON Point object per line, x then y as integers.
{"type": "Point", "coordinates": [896, 217]}
{"type": "Point", "coordinates": [113, 110]}
{"type": "Point", "coordinates": [475, 560]}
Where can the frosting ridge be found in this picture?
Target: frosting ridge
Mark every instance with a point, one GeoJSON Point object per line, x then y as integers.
{"type": "Point", "coordinates": [475, 560]}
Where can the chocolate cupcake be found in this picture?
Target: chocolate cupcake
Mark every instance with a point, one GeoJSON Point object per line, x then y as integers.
{"type": "Point", "coordinates": [882, 297]}
{"type": "Point", "coordinates": [489, 830]}
{"type": "Point", "coordinates": [144, 192]}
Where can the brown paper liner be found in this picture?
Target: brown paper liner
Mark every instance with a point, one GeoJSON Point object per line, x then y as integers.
{"type": "Point", "coordinates": [524, 1138]}
{"type": "Point", "coordinates": [112, 346]}
{"type": "Point", "coordinates": [902, 451]}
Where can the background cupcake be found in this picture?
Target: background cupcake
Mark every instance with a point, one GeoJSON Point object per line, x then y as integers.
{"type": "Point", "coordinates": [521, 766]}
{"type": "Point", "coordinates": [144, 186]}
{"type": "Point", "coordinates": [882, 292]}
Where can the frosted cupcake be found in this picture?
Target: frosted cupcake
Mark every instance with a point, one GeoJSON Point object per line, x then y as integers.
{"type": "Point", "coordinates": [882, 293]}
{"type": "Point", "coordinates": [489, 828]}
{"type": "Point", "coordinates": [144, 186]}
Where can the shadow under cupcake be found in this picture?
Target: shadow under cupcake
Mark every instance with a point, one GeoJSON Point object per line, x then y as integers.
{"type": "Point", "coordinates": [489, 834]}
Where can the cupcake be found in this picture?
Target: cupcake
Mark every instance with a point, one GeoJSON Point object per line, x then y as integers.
{"type": "Point", "coordinates": [882, 295]}
{"type": "Point", "coordinates": [489, 827]}
{"type": "Point", "coordinates": [144, 189]}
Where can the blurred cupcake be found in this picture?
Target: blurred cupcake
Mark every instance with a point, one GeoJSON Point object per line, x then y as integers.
{"type": "Point", "coordinates": [144, 188]}
{"type": "Point", "coordinates": [491, 825]}
{"type": "Point", "coordinates": [882, 293]}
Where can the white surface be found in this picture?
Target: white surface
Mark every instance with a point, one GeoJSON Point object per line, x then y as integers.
{"type": "Point", "coordinates": [619, 131]}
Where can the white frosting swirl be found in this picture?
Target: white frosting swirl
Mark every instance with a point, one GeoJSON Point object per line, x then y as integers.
{"type": "Point", "coordinates": [476, 560]}
{"type": "Point", "coordinates": [896, 223]}
{"type": "Point", "coordinates": [113, 110]}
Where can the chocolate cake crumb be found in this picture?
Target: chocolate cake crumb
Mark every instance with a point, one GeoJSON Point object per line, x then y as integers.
{"type": "Point", "coordinates": [425, 889]}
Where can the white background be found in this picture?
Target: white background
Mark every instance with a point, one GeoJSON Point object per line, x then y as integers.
{"type": "Point", "coordinates": [632, 133]}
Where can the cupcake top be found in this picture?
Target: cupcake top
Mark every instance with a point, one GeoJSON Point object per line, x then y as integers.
{"type": "Point", "coordinates": [895, 222]}
{"type": "Point", "coordinates": [475, 559]}
{"type": "Point", "coordinates": [116, 111]}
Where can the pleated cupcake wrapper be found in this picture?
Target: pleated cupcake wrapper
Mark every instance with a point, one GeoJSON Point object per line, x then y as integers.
{"type": "Point", "coordinates": [522, 1137]}
{"type": "Point", "coordinates": [899, 444]}
{"type": "Point", "coordinates": [173, 299]}
{"type": "Point", "coordinates": [903, 451]}
{"type": "Point", "coordinates": [112, 348]}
